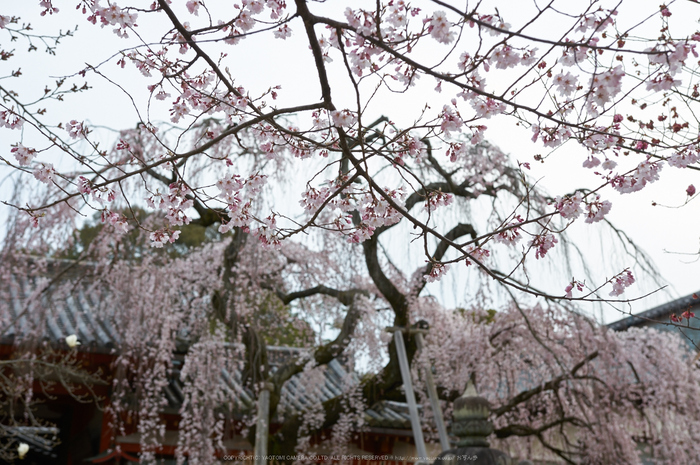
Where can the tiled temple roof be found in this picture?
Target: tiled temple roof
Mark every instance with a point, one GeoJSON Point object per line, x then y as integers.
{"type": "Point", "coordinates": [75, 312]}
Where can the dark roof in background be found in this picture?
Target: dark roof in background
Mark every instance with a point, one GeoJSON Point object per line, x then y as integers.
{"type": "Point", "coordinates": [75, 312]}
{"type": "Point", "coordinates": [659, 314]}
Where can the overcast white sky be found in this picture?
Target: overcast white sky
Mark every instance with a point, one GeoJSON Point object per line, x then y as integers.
{"type": "Point", "coordinates": [671, 236]}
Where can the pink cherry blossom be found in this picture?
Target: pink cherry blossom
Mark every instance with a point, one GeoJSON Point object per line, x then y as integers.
{"type": "Point", "coordinates": [84, 185]}
{"type": "Point", "coordinates": [565, 83]}
{"type": "Point", "coordinates": [591, 162]}
{"type": "Point", "coordinates": [245, 21]}
{"type": "Point", "coordinates": [439, 27]}
{"type": "Point", "coordinates": [23, 155]}
{"type": "Point", "coordinates": [510, 233]}
{"type": "Point", "coordinates": [323, 190]}
{"type": "Point", "coordinates": [229, 184]}
{"type": "Point", "coordinates": [477, 253]}
{"type": "Point", "coordinates": [75, 129]}
{"type": "Point", "coordinates": [314, 198]}
{"type": "Point", "coordinates": [505, 57]}
{"type": "Point", "coordinates": [597, 209]}
{"type": "Point", "coordinates": [450, 120]}
{"type": "Point", "coordinates": [437, 271]}
{"type": "Point", "coordinates": [574, 284]}
{"type": "Point", "coordinates": [621, 282]}
{"type": "Point", "coordinates": [343, 118]}
{"type": "Point", "coordinates": [283, 32]}
{"type": "Point", "coordinates": [569, 207]}
{"type": "Point", "coordinates": [193, 7]}
{"type": "Point", "coordinates": [159, 239]}
{"type": "Point", "coordinates": [608, 164]}
{"type": "Point", "coordinates": [646, 173]}
{"type": "Point", "coordinates": [543, 243]}
{"type": "Point", "coordinates": [268, 234]}
{"type": "Point", "coordinates": [361, 233]}
{"type": "Point", "coordinates": [684, 158]}
{"type": "Point", "coordinates": [488, 107]}
{"type": "Point", "coordinates": [45, 172]}
{"type": "Point", "coordinates": [11, 120]}
{"type": "Point", "coordinates": [438, 199]}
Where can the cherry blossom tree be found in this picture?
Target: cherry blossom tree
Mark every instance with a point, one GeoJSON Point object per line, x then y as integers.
{"type": "Point", "coordinates": [307, 188]}
{"type": "Point", "coordinates": [589, 83]}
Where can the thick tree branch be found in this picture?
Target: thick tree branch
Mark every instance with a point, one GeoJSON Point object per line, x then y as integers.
{"type": "Point", "coordinates": [344, 297]}
{"type": "Point", "coordinates": [548, 386]}
{"type": "Point", "coordinates": [525, 430]}
{"type": "Point", "coordinates": [453, 234]}
{"type": "Point", "coordinates": [309, 22]}
{"type": "Point", "coordinates": [391, 293]}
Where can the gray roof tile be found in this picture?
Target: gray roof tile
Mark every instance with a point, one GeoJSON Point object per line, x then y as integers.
{"type": "Point", "coordinates": [75, 311]}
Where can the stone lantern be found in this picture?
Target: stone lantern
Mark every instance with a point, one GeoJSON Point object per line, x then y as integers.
{"type": "Point", "coordinates": [471, 426]}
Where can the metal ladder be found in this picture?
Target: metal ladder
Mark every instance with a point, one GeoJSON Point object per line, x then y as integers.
{"type": "Point", "coordinates": [410, 395]}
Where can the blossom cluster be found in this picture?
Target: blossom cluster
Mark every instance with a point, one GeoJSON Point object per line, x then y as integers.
{"type": "Point", "coordinates": [477, 253]}
{"type": "Point", "coordinates": [574, 284]}
{"type": "Point", "coordinates": [686, 315]}
{"type": "Point", "coordinates": [313, 199]}
{"type": "Point", "coordinates": [11, 120]}
{"type": "Point", "coordinates": [117, 220]}
{"type": "Point", "coordinates": [343, 118]}
{"type": "Point", "coordinates": [376, 212]}
{"type": "Point", "coordinates": [45, 172]}
{"type": "Point", "coordinates": [268, 233]}
{"type": "Point", "coordinates": [112, 15]}
{"type": "Point", "coordinates": [437, 199]}
{"type": "Point", "coordinates": [509, 234]}
{"type": "Point", "coordinates": [505, 57]}
{"type": "Point", "coordinates": [162, 237]}
{"type": "Point", "coordinates": [621, 282]}
{"type": "Point", "coordinates": [597, 209]}
{"type": "Point", "coordinates": [571, 207]}
{"type": "Point", "coordinates": [437, 271]}
{"type": "Point", "coordinates": [543, 243]}
{"type": "Point", "coordinates": [604, 87]}
{"type": "Point", "coordinates": [239, 203]}
{"type": "Point", "coordinates": [439, 28]}
{"type": "Point", "coordinates": [685, 157]}
{"type": "Point", "coordinates": [450, 120]}
{"type": "Point", "coordinates": [175, 203]}
{"type": "Point", "coordinates": [669, 60]}
{"type": "Point", "coordinates": [23, 155]}
{"type": "Point", "coordinates": [646, 173]}
{"type": "Point", "coordinates": [75, 129]}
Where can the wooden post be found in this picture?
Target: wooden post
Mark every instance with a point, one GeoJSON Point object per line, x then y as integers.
{"type": "Point", "coordinates": [262, 426]}
{"type": "Point", "coordinates": [410, 397]}
{"type": "Point", "coordinates": [434, 401]}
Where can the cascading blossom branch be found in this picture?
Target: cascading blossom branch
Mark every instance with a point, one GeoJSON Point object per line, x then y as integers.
{"type": "Point", "coordinates": [594, 82]}
{"type": "Point", "coordinates": [571, 207]}
{"type": "Point", "coordinates": [217, 143]}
